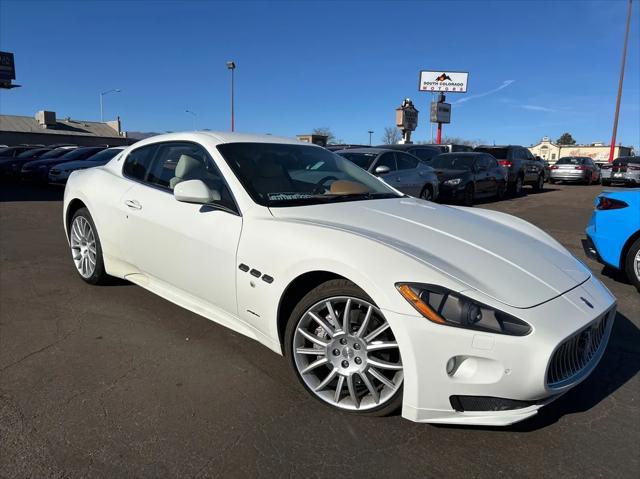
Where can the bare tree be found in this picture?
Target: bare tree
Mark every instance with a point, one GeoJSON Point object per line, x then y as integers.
{"type": "Point", "coordinates": [391, 135]}
{"type": "Point", "coordinates": [326, 131]}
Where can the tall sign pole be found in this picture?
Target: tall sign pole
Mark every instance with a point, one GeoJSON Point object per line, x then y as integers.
{"type": "Point", "coordinates": [232, 66]}
{"type": "Point", "coordinates": [442, 82]}
{"type": "Point", "coordinates": [624, 58]}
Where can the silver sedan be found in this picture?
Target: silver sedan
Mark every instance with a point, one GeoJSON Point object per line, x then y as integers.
{"type": "Point", "coordinates": [401, 170]}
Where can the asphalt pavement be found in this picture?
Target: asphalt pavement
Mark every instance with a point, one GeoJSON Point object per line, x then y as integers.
{"type": "Point", "coordinates": [114, 381]}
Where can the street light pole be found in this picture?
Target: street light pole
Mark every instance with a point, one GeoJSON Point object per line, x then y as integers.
{"type": "Point", "coordinates": [232, 66]}
{"type": "Point", "coordinates": [194, 118]}
{"type": "Point", "coordinates": [115, 90]}
{"type": "Point", "coordinates": [624, 58]}
{"type": "Point", "coordinates": [370, 133]}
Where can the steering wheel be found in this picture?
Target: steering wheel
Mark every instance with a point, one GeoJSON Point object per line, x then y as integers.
{"type": "Point", "coordinates": [319, 188]}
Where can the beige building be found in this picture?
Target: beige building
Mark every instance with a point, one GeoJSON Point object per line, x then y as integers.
{"type": "Point", "coordinates": [599, 152]}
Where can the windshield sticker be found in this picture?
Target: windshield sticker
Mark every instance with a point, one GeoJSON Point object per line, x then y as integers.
{"type": "Point", "coordinates": [289, 196]}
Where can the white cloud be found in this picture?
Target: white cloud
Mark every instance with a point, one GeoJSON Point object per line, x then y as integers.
{"type": "Point", "coordinates": [505, 84]}
{"type": "Point", "coordinates": [538, 108]}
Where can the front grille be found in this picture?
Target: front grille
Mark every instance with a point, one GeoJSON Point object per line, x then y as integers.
{"type": "Point", "coordinates": [487, 403]}
{"type": "Point", "coordinates": [578, 352]}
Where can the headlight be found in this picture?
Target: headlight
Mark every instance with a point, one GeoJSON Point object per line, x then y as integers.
{"type": "Point", "coordinates": [445, 307]}
{"type": "Point", "coordinates": [452, 182]}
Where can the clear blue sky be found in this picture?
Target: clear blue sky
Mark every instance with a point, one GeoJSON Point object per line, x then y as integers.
{"type": "Point", "coordinates": [343, 65]}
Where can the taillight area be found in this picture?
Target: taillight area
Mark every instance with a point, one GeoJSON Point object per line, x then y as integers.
{"type": "Point", "coordinates": [580, 167]}
{"type": "Point", "coordinates": [554, 167]}
{"type": "Point", "coordinates": [505, 163]}
{"type": "Point", "coordinates": [605, 203]}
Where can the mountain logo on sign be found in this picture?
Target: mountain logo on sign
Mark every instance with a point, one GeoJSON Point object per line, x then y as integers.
{"type": "Point", "coordinates": [443, 77]}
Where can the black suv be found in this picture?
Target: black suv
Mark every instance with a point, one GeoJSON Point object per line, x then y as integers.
{"type": "Point", "coordinates": [522, 167]}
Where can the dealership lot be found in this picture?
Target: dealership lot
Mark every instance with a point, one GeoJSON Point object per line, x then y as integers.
{"type": "Point", "coordinates": [115, 381]}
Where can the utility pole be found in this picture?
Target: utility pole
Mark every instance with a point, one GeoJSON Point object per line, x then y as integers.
{"type": "Point", "coordinates": [617, 113]}
{"type": "Point", "coordinates": [370, 133]}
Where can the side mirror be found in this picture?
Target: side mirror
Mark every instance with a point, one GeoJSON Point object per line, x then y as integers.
{"type": "Point", "coordinates": [382, 170]}
{"type": "Point", "coordinates": [195, 191]}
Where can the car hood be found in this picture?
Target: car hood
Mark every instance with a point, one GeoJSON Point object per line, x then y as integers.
{"type": "Point", "coordinates": [499, 255]}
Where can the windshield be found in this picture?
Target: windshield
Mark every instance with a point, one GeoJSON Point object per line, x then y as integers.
{"type": "Point", "coordinates": [290, 175]}
{"type": "Point", "coordinates": [55, 153]}
{"type": "Point", "coordinates": [80, 154]}
{"type": "Point", "coordinates": [363, 160]}
{"type": "Point", "coordinates": [452, 162]}
{"type": "Point", "coordinates": [33, 153]}
{"type": "Point", "coordinates": [497, 153]}
{"type": "Point", "coordinates": [105, 155]}
{"type": "Point", "coordinates": [570, 161]}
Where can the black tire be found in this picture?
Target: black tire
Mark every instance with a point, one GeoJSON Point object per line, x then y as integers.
{"type": "Point", "coordinates": [606, 183]}
{"type": "Point", "coordinates": [539, 184]}
{"type": "Point", "coordinates": [469, 195]}
{"type": "Point", "coordinates": [502, 190]}
{"type": "Point", "coordinates": [99, 276]}
{"type": "Point", "coordinates": [427, 193]}
{"type": "Point", "coordinates": [553, 182]}
{"type": "Point", "coordinates": [328, 289]}
{"type": "Point", "coordinates": [517, 187]}
{"type": "Point", "coordinates": [629, 264]}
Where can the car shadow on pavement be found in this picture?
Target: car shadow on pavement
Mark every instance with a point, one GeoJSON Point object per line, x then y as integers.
{"type": "Point", "coordinates": [619, 364]}
{"type": "Point", "coordinates": [18, 191]}
{"type": "Point", "coordinates": [615, 274]}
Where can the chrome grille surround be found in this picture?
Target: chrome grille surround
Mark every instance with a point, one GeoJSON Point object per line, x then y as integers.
{"type": "Point", "coordinates": [577, 355]}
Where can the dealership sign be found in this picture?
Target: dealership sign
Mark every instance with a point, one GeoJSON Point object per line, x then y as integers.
{"type": "Point", "coordinates": [7, 67]}
{"type": "Point", "coordinates": [440, 112]}
{"type": "Point", "coordinates": [443, 81]}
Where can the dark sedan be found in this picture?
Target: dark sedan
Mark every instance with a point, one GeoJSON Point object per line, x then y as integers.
{"type": "Point", "coordinates": [11, 166]}
{"type": "Point", "coordinates": [39, 170]}
{"type": "Point", "coordinates": [466, 176]}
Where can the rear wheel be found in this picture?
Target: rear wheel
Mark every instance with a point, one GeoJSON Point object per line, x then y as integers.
{"type": "Point", "coordinates": [343, 351]}
{"type": "Point", "coordinates": [86, 250]}
{"type": "Point", "coordinates": [539, 185]}
{"type": "Point", "coordinates": [516, 187]}
{"type": "Point", "coordinates": [469, 195]}
{"type": "Point", "coordinates": [632, 264]}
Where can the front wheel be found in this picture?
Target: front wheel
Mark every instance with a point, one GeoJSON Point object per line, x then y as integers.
{"type": "Point", "coordinates": [539, 185]}
{"type": "Point", "coordinates": [632, 264]}
{"type": "Point", "coordinates": [343, 351]}
{"type": "Point", "coordinates": [86, 249]}
{"type": "Point", "coordinates": [502, 189]}
{"type": "Point", "coordinates": [469, 195]}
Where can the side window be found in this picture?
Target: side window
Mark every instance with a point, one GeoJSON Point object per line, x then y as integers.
{"type": "Point", "coordinates": [387, 159]}
{"type": "Point", "coordinates": [483, 163]}
{"type": "Point", "coordinates": [176, 162]}
{"type": "Point", "coordinates": [423, 154]}
{"type": "Point", "coordinates": [406, 162]}
{"type": "Point", "coordinates": [492, 162]}
{"type": "Point", "coordinates": [137, 162]}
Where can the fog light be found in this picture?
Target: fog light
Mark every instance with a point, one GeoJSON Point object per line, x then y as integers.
{"type": "Point", "coordinates": [451, 365]}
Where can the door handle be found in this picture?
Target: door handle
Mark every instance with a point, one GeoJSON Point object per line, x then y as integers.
{"type": "Point", "coordinates": [133, 204]}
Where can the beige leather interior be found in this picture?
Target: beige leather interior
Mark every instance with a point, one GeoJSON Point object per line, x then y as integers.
{"type": "Point", "coordinates": [188, 168]}
{"type": "Point", "coordinates": [346, 187]}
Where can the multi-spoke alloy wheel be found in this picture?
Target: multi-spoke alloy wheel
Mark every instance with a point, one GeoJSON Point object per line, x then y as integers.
{"type": "Point", "coordinates": [83, 246]}
{"type": "Point", "coordinates": [346, 354]}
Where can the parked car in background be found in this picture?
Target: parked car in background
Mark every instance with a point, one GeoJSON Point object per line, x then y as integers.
{"type": "Point", "coordinates": [613, 233]}
{"type": "Point", "coordinates": [38, 170]}
{"type": "Point", "coordinates": [546, 167]}
{"type": "Point", "coordinates": [580, 169]}
{"type": "Point", "coordinates": [625, 169]}
{"type": "Point", "coordinates": [450, 147]}
{"type": "Point", "coordinates": [401, 170]}
{"type": "Point", "coordinates": [422, 152]}
{"type": "Point", "coordinates": [343, 146]}
{"type": "Point", "coordinates": [522, 168]}
{"type": "Point", "coordinates": [10, 152]}
{"type": "Point", "coordinates": [10, 167]}
{"type": "Point", "coordinates": [469, 175]}
{"type": "Point", "coordinates": [60, 173]}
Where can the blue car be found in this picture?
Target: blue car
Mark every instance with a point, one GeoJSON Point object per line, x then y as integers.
{"type": "Point", "coordinates": [613, 233]}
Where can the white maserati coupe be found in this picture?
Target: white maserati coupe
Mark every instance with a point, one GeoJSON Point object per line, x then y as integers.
{"type": "Point", "coordinates": [378, 300]}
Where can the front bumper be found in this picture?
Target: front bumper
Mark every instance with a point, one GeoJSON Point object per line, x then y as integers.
{"type": "Point", "coordinates": [39, 174]}
{"type": "Point", "coordinates": [452, 193]}
{"type": "Point", "coordinates": [494, 365]}
{"type": "Point", "coordinates": [58, 177]}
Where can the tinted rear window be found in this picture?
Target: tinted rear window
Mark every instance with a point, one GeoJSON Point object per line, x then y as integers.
{"type": "Point", "coordinates": [497, 153]}
{"type": "Point", "coordinates": [570, 161]}
{"type": "Point", "coordinates": [55, 153]}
